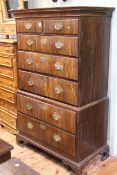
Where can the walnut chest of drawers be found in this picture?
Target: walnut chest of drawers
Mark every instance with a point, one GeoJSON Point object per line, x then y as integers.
{"type": "Point", "coordinates": [63, 59]}
{"type": "Point", "coordinates": [8, 84]}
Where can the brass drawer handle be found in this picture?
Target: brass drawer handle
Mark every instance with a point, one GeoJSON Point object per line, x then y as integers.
{"type": "Point", "coordinates": [29, 61]}
{"type": "Point", "coordinates": [58, 66]}
{"type": "Point", "coordinates": [58, 26]}
{"type": "Point", "coordinates": [56, 116]}
{"type": "Point", "coordinates": [28, 26]}
{"type": "Point", "coordinates": [58, 90]}
{"type": "Point", "coordinates": [59, 45]}
{"type": "Point", "coordinates": [30, 82]}
{"type": "Point", "coordinates": [30, 125]}
{"type": "Point", "coordinates": [29, 106]}
{"type": "Point", "coordinates": [56, 138]}
{"type": "Point", "coordinates": [43, 40]}
{"type": "Point", "coordinates": [30, 42]}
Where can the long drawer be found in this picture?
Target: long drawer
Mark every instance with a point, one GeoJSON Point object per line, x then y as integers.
{"type": "Point", "coordinates": [52, 114]}
{"type": "Point", "coordinates": [39, 131]}
{"type": "Point", "coordinates": [59, 89]}
{"type": "Point", "coordinates": [49, 44]}
{"type": "Point", "coordinates": [7, 95]}
{"type": "Point", "coordinates": [54, 65]}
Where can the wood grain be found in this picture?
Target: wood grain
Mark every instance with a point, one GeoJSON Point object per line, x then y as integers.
{"type": "Point", "coordinates": [8, 106]}
{"type": "Point", "coordinates": [94, 39]}
{"type": "Point", "coordinates": [66, 26]}
{"type": "Point", "coordinates": [8, 83]}
{"type": "Point", "coordinates": [29, 26]}
{"type": "Point", "coordinates": [14, 167]}
{"type": "Point", "coordinates": [46, 86]}
{"type": "Point", "coordinates": [46, 44]}
{"type": "Point", "coordinates": [59, 66]}
{"type": "Point", "coordinates": [88, 42]}
{"type": "Point", "coordinates": [5, 151]}
{"type": "Point", "coordinates": [47, 112]}
{"type": "Point", "coordinates": [44, 133]}
{"type": "Point", "coordinates": [47, 165]}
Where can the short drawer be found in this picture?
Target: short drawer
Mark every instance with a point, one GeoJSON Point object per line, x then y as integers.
{"type": "Point", "coordinates": [8, 83]}
{"type": "Point", "coordinates": [29, 25]}
{"type": "Point", "coordinates": [39, 131]}
{"type": "Point", "coordinates": [52, 114]}
{"type": "Point", "coordinates": [6, 61]}
{"type": "Point", "coordinates": [7, 72]}
{"type": "Point", "coordinates": [7, 49]}
{"type": "Point", "coordinates": [8, 106]}
{"type": "Point", "coordinates": [54, 65]}
{"type": "Point", "coordinates": [63, 26]}
{"type": "Point", "coordinates": [7, 95]}
{"type": "Point", "coordinates": [7, 29]}
{"type": "Point", "coordinates": [59, 89]}
{"type": "Point", "coordinates": [7, 118]}
{"type": "Point", "coordinates": [49, 44]}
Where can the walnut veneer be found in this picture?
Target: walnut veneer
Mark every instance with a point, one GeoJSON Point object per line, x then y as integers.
{"type": "Point", "coordinates": [63, 60]}
{"type": "Point", "coordinates": [8, 84]}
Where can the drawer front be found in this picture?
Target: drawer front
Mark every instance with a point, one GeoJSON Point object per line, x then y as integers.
{"type": "Point", "coordinates": [7, 50]}
{"type": "Point", "coordinates": [7, 95]}
{"type": "Point", "coordinates": [55, 88]}
{"type": "Point", "coordinates": [6, 61]}
{"type": "Point", "coordinates": [8, 119]}
{"type": "Point", "coordinates": [56, 116]}
{"type": "Point", "coordinates": [32, 25]}
{"type": "Point", "coordinates": [65, 26]}
{"type": "Point", "coordinates": [7, 28]}
{"type": "Point", "coordinates": [8, 106]}
{"type": "Point", "coordinates": [49, 44]}
{"type": "Point", "coordinates": [47, 134]}
{"type": "Point", "coordinates": [7, 72]}
{"type": "Point", "coordinates": [55, 65]}
{"type": "Point", "coordinates": [9, 83]}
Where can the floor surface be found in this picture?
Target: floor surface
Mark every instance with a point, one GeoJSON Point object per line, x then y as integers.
{"type": "Point", "coordinates": [47, 165]}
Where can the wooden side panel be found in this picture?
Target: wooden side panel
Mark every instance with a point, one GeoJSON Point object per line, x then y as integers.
{"type": "Point", "coordinates": [94, 55]}
{"type": "Point", "coordinates": [92, 127]}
